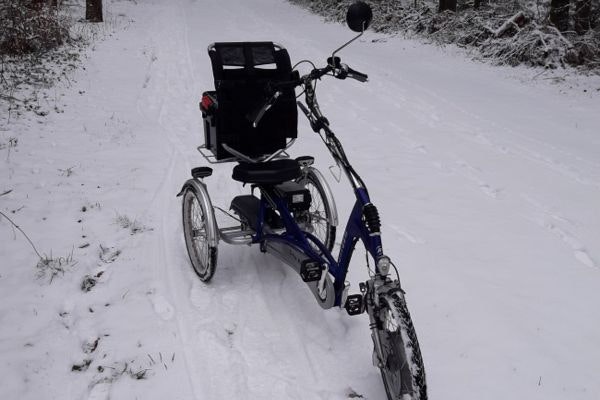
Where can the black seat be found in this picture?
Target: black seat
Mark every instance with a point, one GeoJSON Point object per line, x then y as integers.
{"type": "Point", "coordinates": [267, 173]}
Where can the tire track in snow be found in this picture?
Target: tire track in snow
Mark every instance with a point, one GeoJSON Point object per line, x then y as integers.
{"type": "Point", "coordinates": [162, 262]}
{"type": "Point", "coordinates": [411, 237]}
{"type": "Point", "coordinates": [165, 111]}
{"type": "Point", "coordinates": [474, 174]}
{"type": "Point", "coordinates": [509, 148]}
{"type": "Point", "coordinates": [199, 341]}
{"type": "Point", "coordinates": [428, 115]}
{"type": "Point", "coordinates": [459, 167]}
{"type": "Point", "coordinates": [579, 251]}
{"type": "Point", "coordinates": [154, 104]}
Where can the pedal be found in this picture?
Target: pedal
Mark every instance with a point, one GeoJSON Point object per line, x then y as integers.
{"type": "Point", "coordinates": [354, 304]}
{"type": "Point", "coordinates": [310, 271]}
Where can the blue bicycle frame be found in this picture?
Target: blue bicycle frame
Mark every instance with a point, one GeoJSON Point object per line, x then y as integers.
{"type": "Point", "coordinates": [300, 240]}
{"type": "Point", "coordinates": [356, 227]}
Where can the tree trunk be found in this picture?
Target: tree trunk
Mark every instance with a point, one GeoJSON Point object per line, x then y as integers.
{"type": "Point", "coordinates": [93, 10]}
{"type": "Point", "coordinates": [447, 5]}
{"type": "Point", "coordinates": [559, 14]}
{"type": "Point", "coordinates": [37, 4]}
{"type": "Point", "coordinates": [582, 17]}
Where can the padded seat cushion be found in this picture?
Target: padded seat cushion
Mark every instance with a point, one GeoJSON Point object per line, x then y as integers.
{"type": "Point", "coordinates": [267, 173]}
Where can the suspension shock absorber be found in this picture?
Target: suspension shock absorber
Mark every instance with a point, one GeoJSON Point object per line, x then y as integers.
{"type": "Point", "coordinates": [371, 216]}
{"type": "Point", "coordinates": [373, 223]}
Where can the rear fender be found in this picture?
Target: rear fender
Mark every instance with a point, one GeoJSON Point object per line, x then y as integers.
{"type": "Point", "coordinates": [199, 188]}
{"type": "Point", "coordinates": [333, 220]}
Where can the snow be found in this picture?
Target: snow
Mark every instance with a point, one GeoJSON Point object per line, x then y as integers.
{"type": "Point", "coordinates": [487, 180]}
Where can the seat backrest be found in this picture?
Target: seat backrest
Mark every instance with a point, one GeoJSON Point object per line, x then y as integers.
{"type": "Point", "coordinates": [242, 72]}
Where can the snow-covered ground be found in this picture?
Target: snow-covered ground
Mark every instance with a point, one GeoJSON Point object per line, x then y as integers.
{"type": "Point", "coordinates": [487, 179]}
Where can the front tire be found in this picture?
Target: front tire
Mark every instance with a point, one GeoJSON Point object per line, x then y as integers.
{"type": "Point", "coordinates": [400, 361]}
{"type": "Point", "coordinates": [202, 255]}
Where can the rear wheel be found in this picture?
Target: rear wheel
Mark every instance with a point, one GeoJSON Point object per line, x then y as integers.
{"type": "Point", "coordinates": [400, 360]}
{"type": "Point", "coordinates": [202, 255]}
{"type": "Point", "coordinates": [320, 212]}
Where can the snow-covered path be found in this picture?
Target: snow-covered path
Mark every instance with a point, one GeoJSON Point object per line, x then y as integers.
{"type": "Point", "coordinates": [488, 185]}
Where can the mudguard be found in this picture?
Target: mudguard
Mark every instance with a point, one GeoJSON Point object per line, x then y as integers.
{"type": "Point", "coordinates": [333, 219]}
{"type": "Point", "coordinates": [199, 188]}
{"type": "Point", "coordinates": [293, 257]}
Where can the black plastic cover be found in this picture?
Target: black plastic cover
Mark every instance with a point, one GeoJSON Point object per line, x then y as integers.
{"type": "Point", "coordinates": [297, 197]}
{"type": "Point", "coordinates": [244, 73]}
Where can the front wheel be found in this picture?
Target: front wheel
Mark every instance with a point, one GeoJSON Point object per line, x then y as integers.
{"type": "Point", "coordinates": [397, 351]}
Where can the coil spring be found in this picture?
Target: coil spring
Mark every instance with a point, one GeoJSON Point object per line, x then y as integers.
{"type": "Point", "coordinates": [371, 216]}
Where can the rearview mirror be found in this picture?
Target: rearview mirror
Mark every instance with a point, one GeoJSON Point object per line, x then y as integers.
{"type": "Point", "coordinates": [359, 16]}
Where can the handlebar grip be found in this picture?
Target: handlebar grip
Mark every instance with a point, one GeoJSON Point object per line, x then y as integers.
{"type": "Point", "coordinates": [359, 76]}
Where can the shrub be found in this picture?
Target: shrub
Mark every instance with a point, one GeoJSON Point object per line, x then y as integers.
{"type": "Point", "coordinates": [30, 26]}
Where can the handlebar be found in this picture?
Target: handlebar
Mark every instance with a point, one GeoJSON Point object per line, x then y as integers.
{"type": "Point", "coordinates": [343, 71]}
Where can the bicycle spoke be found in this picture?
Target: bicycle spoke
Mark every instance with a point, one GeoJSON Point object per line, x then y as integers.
{"type": "Point", "coordinates": [318, 223]}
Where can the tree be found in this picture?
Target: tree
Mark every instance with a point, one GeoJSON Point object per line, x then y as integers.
{"type": "Point", "coordinates": [37, 4]}
{"type": "Point", "coordinates": [559, 14]}
{"type": "Point", "coordinates": [583, 16]}
{"type": "Point", "coordinates": [447, 5]}
{"type": "Point", "coordinates": [93, 10]}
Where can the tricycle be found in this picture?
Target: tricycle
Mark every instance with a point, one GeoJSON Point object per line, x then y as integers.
{"type": "Point", "coordinates": [251, 119]}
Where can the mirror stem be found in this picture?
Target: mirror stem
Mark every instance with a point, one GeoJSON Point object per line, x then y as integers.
{"type": "Point", "coordinates": [344, 45]}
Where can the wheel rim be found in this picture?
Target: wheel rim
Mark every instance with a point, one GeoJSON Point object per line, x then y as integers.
{"type": "Point", "coordinates": [318, 214]}
{"type": "Point", "coordinates": [197, 238]}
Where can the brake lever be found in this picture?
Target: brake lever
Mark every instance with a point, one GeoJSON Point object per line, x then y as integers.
{"type": "Point", "coordinates": [342, 72]}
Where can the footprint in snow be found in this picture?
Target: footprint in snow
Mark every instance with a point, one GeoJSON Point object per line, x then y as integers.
{"type": "Point", "coordinates": [161, 306]}
{"type": "Point", "coordinates": [412, 238]}
{"type": "Point", "coordinates": [199, 295]}
{"type": "Point", "coordinates": [489, 190]}
{"type": "Point", "coordinates": [579, 251]}
{"type": "Point", "coordinates": [100, 391]}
